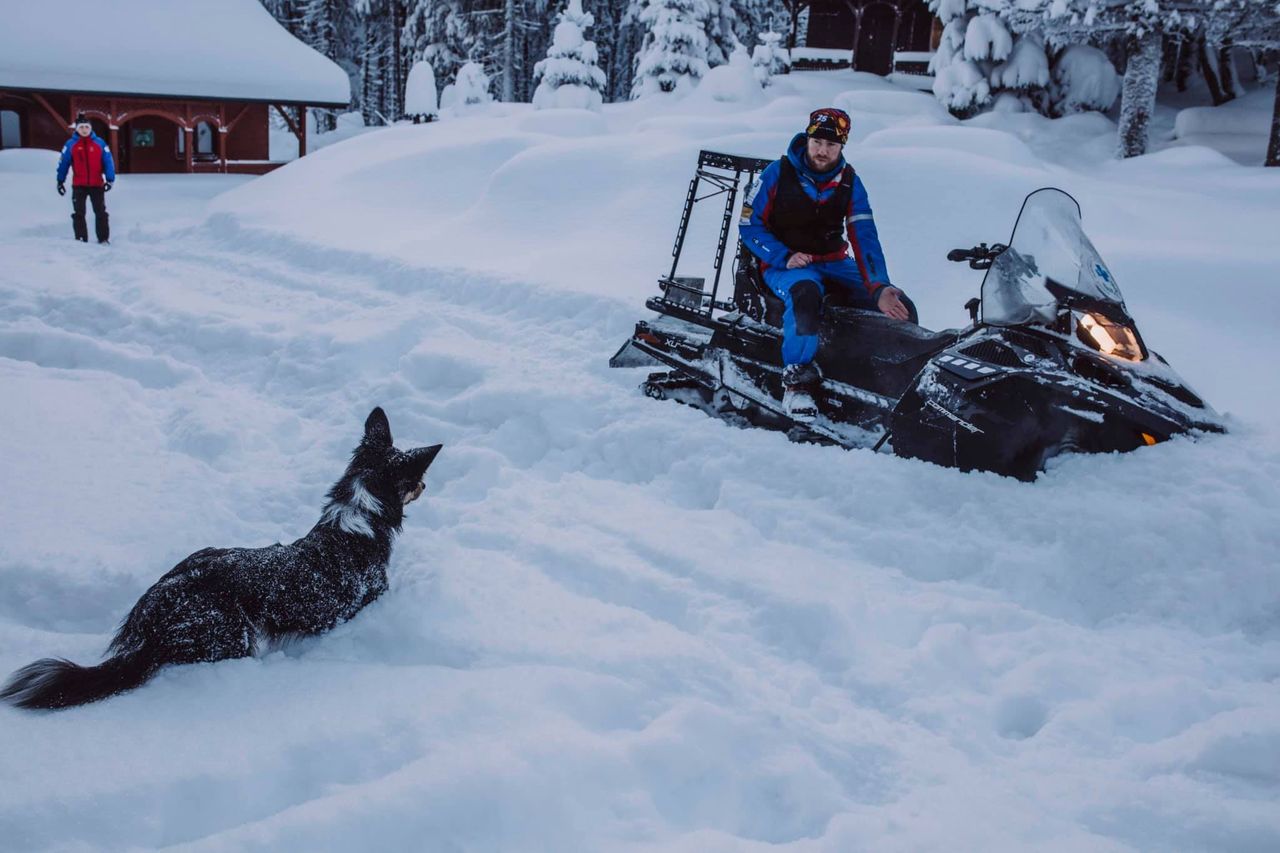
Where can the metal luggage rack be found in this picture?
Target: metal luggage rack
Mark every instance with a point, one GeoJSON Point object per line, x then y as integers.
{"type": "Point", "coordinates": [725, 173]}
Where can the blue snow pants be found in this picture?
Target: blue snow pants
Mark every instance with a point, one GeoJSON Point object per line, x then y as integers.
{"type": "Point", "coordinates": [801, 291]}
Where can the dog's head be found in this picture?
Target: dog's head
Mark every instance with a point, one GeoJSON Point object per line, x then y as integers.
{"type": "Point", "coordinates": [379, 482]}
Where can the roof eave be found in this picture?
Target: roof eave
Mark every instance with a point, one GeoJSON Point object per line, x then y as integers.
{"type": "Point", "coordinates": [170, 97]}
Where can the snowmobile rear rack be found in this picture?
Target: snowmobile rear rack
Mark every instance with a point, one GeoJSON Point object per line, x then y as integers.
{"type": "Point", "coordinates": [724, 172]}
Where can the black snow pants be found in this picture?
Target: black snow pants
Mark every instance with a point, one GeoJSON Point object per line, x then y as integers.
{"type": "Point", "coordinates": [100, 219]}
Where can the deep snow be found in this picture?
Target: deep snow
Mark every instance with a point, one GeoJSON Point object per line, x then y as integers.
{"type": "Point", "coordinates": [616, 624]}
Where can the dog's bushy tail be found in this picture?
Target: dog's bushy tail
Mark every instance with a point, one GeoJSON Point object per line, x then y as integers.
{"type": "Point", "coordinates": [59, 683]}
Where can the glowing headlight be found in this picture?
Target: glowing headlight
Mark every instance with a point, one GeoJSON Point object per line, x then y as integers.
{"type": "Point", "coordinates": [1108, 337]}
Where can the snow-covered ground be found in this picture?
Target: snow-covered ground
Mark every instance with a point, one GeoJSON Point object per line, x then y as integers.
{"type": "Point", "coordinates": [616, 624]}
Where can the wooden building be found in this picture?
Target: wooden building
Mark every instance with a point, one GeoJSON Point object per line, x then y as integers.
{"type": "Point", "coordinates": [171, 85]}
{"type": "Point", "coordinates": [871, 32]}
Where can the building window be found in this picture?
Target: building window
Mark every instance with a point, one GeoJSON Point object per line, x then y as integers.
{"type": "Point", "coordinates": [10, 129]}
{"type": "Point", "coordinates": [204, 139]}
{"type": "Point", "coordinates": [144, 139]}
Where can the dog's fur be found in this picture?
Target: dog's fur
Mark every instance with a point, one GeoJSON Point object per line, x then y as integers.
{"type": "Point", "coordinates": [220, 602]}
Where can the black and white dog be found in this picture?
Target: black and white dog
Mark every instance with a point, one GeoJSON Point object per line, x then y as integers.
{"type": "Point", "coordinates": [220, 602]}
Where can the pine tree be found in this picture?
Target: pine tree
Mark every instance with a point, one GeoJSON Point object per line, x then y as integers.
{"type": "Point", "coordinates": [570, 75]}
{"type": "Point", "coordinates": [730, 23]}
{"type": "Point", "coordinates": [420, 97]}
{"type": "Point", "coordinates": [769, 58]}
{"type": "Point", "coordinates": [330, 28]}
{"type": "Point", "coordinates": [673, 57]}
{"type": "Point", "coordinates": [383, 69]}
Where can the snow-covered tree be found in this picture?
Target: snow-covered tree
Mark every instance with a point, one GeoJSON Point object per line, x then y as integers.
{"type": "Point", "coordinates": [1254, 24]}
{"type": "Point", "coordinates": [470, 88]}
{"type": "Point", "coordinates": [796, 10]}
{"type": "Point", "coordinates": [570, 76]}
{"type": "Point", "coordinates": [1024, 75]}
{"type": "Point", "coordinates": [381, 60]}
{"type": "Point", "coordinates": [961, 64]}
{"type": "Point", "coordinates": [332, 28]}
{"type": "Point", "coordinates": [1083, 79]}
{"type": "Point", "coordinates": [769, 58]}
{"type": "Point", "coordinates": [730, 23]}
{"type": "Point", "coordinates": [420, 102]}
{"type": "Point", "coordinates": [733, 82]}
{"type": "Point", "coordinates": [673, 57]}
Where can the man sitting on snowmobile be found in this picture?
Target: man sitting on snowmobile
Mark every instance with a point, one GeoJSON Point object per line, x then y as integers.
{"type": "Point", "coordinates": [796, 222]}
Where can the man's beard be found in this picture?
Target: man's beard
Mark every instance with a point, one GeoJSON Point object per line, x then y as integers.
{"type": "Point", "coordinates": [823, 165]}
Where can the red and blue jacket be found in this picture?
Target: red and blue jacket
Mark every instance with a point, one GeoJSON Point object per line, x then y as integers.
{"type": "Point", "coordinates": [757, 232]}
{"type": "Point", "coordinates": [90, 159]}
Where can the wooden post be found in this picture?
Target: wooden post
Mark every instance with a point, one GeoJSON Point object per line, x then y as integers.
{"type": "Point", "coordinates": [115, 130]}
{"type": "Point", "coordinates": [1273, 146]}
{"type": "Point", "coordinates": [39, 99]}
{"type": "Point", "coordinates": [190, 142]}
{"type": "Point", "coordinates": [302, 130]}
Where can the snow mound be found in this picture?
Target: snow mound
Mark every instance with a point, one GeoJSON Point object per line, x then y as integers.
{"type": "Point", "coordinates": [28, 161]}
{"type": "Point", "coordinates": [732, 83]}
{"type": "Point", "coordinates": [1248, 115]}
{"type": "Point", "coordinates": [1180, 156]}
{"type": "Point", "coordinates": [980, 142]}
{"type": "Point", "coordinates": [896, 103]}
{"type": "Point", "coordinates": [564, 122]}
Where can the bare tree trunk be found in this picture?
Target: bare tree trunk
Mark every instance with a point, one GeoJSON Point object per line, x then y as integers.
{"type": "Point", "coordinates": [1138, 95]}
{"type": "Point", "coordinates": [1227, 70]}
{"type": "Point", "coordinates": [1184, 66]}
{"type": "Point", "coordinates": [509, 54]}
{"type": "Point", "coordinates": [1209, 68]}
{"type": "Point", "coordinates": [1273, 150]}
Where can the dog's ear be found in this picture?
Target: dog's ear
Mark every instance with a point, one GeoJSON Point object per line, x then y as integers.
{"type": "Point", "coordinates": [419, 459]}
{"type": "Point", "coordinates": [377, 431]}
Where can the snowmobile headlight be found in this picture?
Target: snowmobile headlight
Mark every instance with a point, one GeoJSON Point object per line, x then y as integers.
{"type": "Point", "coordinates": [1109, 337]}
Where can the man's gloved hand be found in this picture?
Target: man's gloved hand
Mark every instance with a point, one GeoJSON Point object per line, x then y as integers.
{"type": "Point", "coordinates": [62, 188]}
{"type": "Point", "coordinates": [106, 186]}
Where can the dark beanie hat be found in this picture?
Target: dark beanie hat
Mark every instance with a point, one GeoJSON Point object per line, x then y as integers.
{"type": "Point", "coordinates": [829, 123]}
{"type": "Point", "coordinates": [82, 119]}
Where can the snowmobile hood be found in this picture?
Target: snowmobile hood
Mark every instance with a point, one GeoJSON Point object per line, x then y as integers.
{"type": "Point", "coordinates": [795, 153]}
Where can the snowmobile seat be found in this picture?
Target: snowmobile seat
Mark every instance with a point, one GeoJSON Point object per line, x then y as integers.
{"type": "Point", "coordinates": [875, 351]}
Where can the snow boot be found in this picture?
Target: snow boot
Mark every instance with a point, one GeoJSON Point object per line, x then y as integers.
{"type": "Point", "coordinates": [798, 384]}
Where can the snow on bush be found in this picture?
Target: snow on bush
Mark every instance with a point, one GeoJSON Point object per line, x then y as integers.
{"type": "Point", "coordinates": [569, 77]}
{"type": "Point", "coordinates": [1027, 67]}
{"type": "Point", "coordinates": [420, 92]}
{"type": "Point", "coordinates": [769, 58]}
{"type": "Point", "coordinates": [987, 37]}
{"type": "Point", "coordinates": [734, 82]}
{"type": "Point", "coordinates": [960, 86]}
{"type": "Point", "coordinates": [673, 57]}
{"type": "Point", "coordinates": [1083, 79]}
{"type": "Point", "coordinates": [471, 88]}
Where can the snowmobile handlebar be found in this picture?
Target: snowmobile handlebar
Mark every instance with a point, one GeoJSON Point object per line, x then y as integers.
{"type": "Point", "coordinates": [980, 257]}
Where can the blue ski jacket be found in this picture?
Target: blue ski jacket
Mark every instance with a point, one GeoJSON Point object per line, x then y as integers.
{"type": "Point", "coordinates": [860, 226]}
{"type": "Point", "coordinates": [91, 158]}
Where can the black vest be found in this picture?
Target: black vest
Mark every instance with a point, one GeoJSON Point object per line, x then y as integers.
{"type": "Point", "coordinates": [804, 225]}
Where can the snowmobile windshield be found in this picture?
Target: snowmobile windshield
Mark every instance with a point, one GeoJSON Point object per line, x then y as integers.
{"type": "Point", "coordinates": [1050, 265]}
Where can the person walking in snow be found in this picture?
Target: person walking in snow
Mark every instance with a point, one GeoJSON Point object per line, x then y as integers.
{"type": "Point", "coordinates": [89, 158]}
{"type": "Point", "coordinates": [808, 209]}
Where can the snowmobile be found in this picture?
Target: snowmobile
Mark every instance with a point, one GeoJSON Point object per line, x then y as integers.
{"type": "Point", "coordinates": [1051, 363]}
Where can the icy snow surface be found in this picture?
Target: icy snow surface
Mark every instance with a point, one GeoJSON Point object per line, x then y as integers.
{"type": "Point", "coordinates": [191, 48]}
{"type": "Point", "coordinates": [613, 623]}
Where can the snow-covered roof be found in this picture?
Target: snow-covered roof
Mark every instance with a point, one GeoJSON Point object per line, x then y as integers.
{"type": "Point", "coordinates": [229, 49]}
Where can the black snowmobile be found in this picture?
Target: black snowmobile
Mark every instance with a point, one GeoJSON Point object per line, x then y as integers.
{"type": "Point", "coordinates": [1051, 364]}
